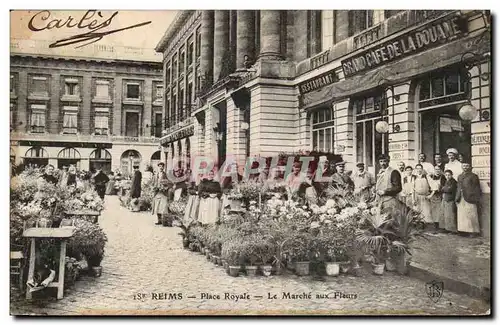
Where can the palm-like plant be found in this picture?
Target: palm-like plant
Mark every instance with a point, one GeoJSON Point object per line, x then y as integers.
{"type": "Point", "coordinates": [376, 235]}
{"type": "Point", "coordinates": [407, 225]}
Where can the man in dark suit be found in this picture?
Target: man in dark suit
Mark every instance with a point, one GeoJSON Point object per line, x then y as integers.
{"type": "Point", "coordinates": [100, 180]}
{"type": "Point", "coordinates": [135, 188]}
{"type": "Point", "coordinates": [388, 185]}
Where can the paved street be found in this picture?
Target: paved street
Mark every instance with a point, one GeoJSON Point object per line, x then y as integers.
{"type": "Point", "coordinates": [142, 258]}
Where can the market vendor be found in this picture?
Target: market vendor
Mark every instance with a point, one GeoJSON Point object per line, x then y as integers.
{"type": "Point", "coordinates": [363, 182]}
{"type": "Point", "coordinates": [160, 199]}
{"type": "Point", "coordinates": [48, 175]}
{"type": "Point", "coordinates": [210, 193]}
{"type": "Point", "coordinates": [100, 180]}
{"type": "Point", "coordinates": [341, 179]}
{"type": "Point", "coordinates": [388, 185]}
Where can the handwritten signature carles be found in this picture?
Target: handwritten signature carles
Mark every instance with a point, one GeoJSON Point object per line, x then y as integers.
{"type": "Point", "coordinates": [42, 21]}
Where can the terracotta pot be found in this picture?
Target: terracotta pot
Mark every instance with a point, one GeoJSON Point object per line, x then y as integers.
{"type": "Point", "coordinates": [345, 267]}
{"type": "Point", "coordinates": [97, 271]}
{"type": "Point", "coordinates": [266, 269]}
{"type": "Point", "coordinates": [302, 268]}
{"type": "Point", "coordinates": [234, 270]}
{"type": "Point", "coordinates": [332, 268]}
{"type": "Point", "coordinates": [251, 270]}
{"type": "Point", "coordinates": [378, 269]}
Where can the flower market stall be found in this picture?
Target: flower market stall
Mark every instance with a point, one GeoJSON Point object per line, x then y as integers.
{"type": "Point", "coordinates": [36, 204]}
{"type": "Point", "coordinates": [274, 231]}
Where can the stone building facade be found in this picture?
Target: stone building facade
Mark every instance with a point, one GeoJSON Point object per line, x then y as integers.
{"type": "Point", "coordinates": [84, 110]}
{"type": "Point", "coordinates": [353, 82]}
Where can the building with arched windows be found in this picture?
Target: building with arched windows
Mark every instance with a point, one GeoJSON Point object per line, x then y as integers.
{"type": "Point", "coordinates": [352, 82]}
{"type": "Point", "coordinates": [87, 108]}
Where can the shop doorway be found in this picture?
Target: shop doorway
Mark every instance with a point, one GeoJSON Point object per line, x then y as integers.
{"type": "Point", "coordinates": [441, 129]}
{"type": "Point", "coordinates": [129, 159]}
{"type": "Point", "coordinates": [67, 157]}
{"type": "Point", "coordinates": [100, 158]}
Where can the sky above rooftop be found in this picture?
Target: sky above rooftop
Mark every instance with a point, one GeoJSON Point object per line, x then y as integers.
{"type": "Point", "coordinates": [146, 36]}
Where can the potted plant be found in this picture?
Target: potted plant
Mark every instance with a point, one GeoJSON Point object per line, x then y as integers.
{"type": "Point", "coordinates": [249, 248]}
{"type": "Point", "coordinates": [374, 235]}
{"type": "Point", "coordinates": [300, 253]}
{"type": "Point", "coordinates": [231, 252]}
{"type": "Point", "coordinates": [266, 253]}
{"type": "Point", "coordinates": [407, 226]}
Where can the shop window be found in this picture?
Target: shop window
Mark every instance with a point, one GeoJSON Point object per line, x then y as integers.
{"type": "Point", "coordinates": [37, 118]}
{"type": "Point", "coordinates": [369, 143]}
{"type": "Point", "coordinates": [442, 87]}
{"type": "Point", "coordinates": [323, 130]}
{"type": "Point", "coordinates": [70, 120]}
{"type": "Point", "coordinates": [133, 91]}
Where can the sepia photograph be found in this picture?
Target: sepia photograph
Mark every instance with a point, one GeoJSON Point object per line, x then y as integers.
{"type": "Point", "coordinates": [250, 162]}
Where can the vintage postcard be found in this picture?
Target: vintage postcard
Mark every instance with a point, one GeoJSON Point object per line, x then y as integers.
{"type": "Point", "coordinates": [250, 162]}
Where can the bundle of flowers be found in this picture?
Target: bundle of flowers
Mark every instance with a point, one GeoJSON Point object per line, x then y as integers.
{"type": "Point", "coordinates": [250, 190]}
{"type": "Point", "coordinates": [235, 194]}
{"type": "Point", "coordinates": [88, 240]}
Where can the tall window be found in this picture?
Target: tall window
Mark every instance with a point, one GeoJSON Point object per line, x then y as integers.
{"type": "Point", "coordinates": [313, 32]}
{"type": "Point", "coordinates": [70, 120]}
{"type": "Point", "coordinates": [327, 29]}
{"type": "Point", "coordinates": [181, 104]}
{"type": "Point", "coordinates": [37, 118]}
{"type": "Point", "coordinates": [101, 124]}
{"type": "Point", "coordinates": [182, 58]}
{"type": "Point", "coordinates": [71, 87]}
{"type": "Point", "coordinates": [369, 143]}
{"type": "Point", "coordinates": [157, 128]}
{"type": "Point", "coordinates": [173, 115]}
{"type": "Point", "coordinates": [174, 67]}
{"type": "Point", "coordinates": [167, 112]}
{"type": "Point", "coordinates": [133, 91]}
{"type": "Point", "coordinates": [359, 20]}
{"type": "Point", "coordinates": [39, 85]}
{"type": "Point", "coordinates": [13, 84]}
{"type": "Point", "coordinates": [102, 89]}
{"type": "Point", "coordinates": [158, 92]}
{"type": "Point", "coordinates": [441, 86]}
{"type": "Point", "coordinates": [167, 74]}
{"type": "Point", "coordinates": [189, 97]}
{"type": "Point", "coordinates": [198, 42]}
{"type": "Point", "coordinates": [190, 51]}
{"type": "Point", "coordinates": [323, 130]}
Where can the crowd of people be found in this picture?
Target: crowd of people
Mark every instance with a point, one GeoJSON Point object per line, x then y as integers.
{"type": "Point", "coordinates": [446, 194]}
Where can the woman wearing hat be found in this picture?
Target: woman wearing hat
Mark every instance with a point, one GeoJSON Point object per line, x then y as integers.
{"type": "Point", "coordinates": [453, 164]}
{"type": "Point", "coordinates": [160, 199]}
{"type": "Point", "coordinates": [210, 193]}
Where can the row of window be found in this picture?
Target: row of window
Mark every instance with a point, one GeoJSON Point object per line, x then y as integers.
{"type": "Point", "coordinates": [38, 123]}
{"type": "Point", "coordinates": [39, 85]}
{"type": "Point", "coordinates": [182, 59]}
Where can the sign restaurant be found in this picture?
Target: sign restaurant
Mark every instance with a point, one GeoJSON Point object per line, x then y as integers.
{"type": "Point", "coordinates": [410, 43]}
{"type": "Point", "coordinates": [318, 82]}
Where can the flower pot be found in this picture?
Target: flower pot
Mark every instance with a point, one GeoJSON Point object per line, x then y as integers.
{"type": "Point", "coordinates": [378, 269]}
{"type": "Point", "coordinates": [211, 257]}
{"type": "Point", "coordinates": [97, 271]}
{"type": "Point", "coordinates": [332, 268]}
{"type": "Point", "coordinates": [234, 270]}
{"type": "Point", "coordinates": [251, 270]}
{"type": "Point", "coordinates": [390, 265]}
{"type": "Point", "coordinates": [345, 267]}
{"type": "Point", "coordinates": [217, 260]}
{"type": "Point", "coordinates": [207, 254]}
{"type": "Point", "coordinates": [402, 262]}
{"type": "Point", "coordinates": [185, 243]}
{"type": "Point", "coordinates": [302, 268]}
{"type": "Point", "coordinates": [202, 251]}
{"type": "Point", "coordinates": [191, 247]}
{"type": "Point", "coordinates": [225, 265]}
{"type": "Point", "coordinates": [266, 269]}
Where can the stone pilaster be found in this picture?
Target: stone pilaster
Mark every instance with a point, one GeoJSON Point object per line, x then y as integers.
{"type": "Point", "coordinates": [221, 40]}
{"type": "Point", "coordinates": [147, 116]}
{"type": "Point", "coordinates": [341, 25]}
{"type": "Point", "coordinates": [343, 137]}
{"type": "Point", "coordinates": [245, 36]}
{"type": "Point", "coordinates": [22, 106]}
{"type": "Point", "coordinates": [86, 107]}
{"type": "Point", "coordinates": [53, 125]}
{"type": "Point", "coordinates": [207, 44]}
{"type": "Point", "coordinates": [117, 106]}
{"type": "Point", "coordinates": [300, 34]}
{"type": "Point", "coordinates": [402, 119]}
{"type": "Point", "coordinates": [270, 34]}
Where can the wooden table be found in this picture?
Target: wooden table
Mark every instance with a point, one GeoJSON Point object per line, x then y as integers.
{"type": "Point", "coordinates": [61, 234]}
{"type": "Point", "coordinates": [86, 214]}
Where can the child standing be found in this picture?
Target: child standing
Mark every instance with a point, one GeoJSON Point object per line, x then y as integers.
{"type": "Point", "coordinates": [449, 215]}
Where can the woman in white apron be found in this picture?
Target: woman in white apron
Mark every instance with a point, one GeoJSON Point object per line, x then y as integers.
{"type": "Point", "coordinates": [210, 193]}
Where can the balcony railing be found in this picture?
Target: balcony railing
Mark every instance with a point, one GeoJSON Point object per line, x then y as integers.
{"type": "Point", "coordinates": [174, 123]}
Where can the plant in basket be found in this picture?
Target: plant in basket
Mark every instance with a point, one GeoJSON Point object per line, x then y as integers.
{"type": "Point", "coordinates": [88, 240]}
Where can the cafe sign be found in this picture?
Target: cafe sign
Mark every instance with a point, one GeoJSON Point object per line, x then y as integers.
{"type": "Point", "coordinates": [415, 41]}
{"type": "Point", "coordinates": [318, 82]}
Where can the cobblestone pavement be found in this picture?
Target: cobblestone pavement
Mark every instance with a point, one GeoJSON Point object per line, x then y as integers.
{"type": "Point", "coordinates": [142, 258]}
